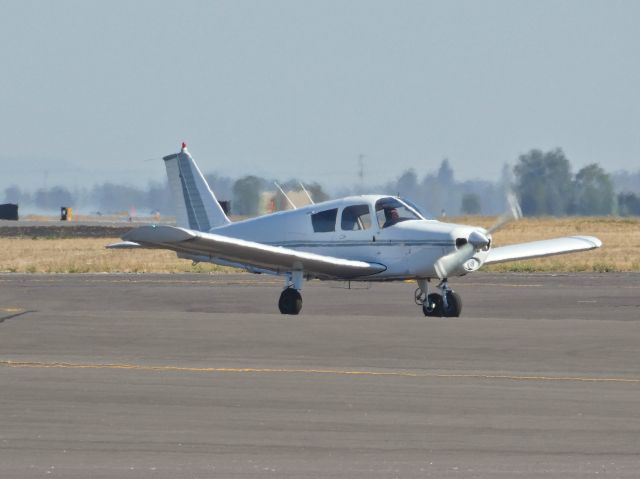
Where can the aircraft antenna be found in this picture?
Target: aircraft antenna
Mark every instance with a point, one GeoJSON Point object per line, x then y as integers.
{"type": "Point", "coordinates": [361, 170]}
{"type": "Point", "coordinates": [306, 192]}
{"type": "Point", "coordinates": [285, 195]}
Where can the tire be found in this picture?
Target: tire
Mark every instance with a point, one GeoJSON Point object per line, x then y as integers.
{"type": "Point", "coordinates": [436, 300]}
{"type": "Point", "coordinates": [454, 305]}
{"type": "Point", "coordinates": [290, 301]}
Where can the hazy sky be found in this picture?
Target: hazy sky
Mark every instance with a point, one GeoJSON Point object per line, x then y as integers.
{"type": "Point", "coordinates": [90, 90]}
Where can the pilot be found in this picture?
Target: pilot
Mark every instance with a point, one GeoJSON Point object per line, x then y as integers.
{"type": "Point", "coordinates": [391, 217]}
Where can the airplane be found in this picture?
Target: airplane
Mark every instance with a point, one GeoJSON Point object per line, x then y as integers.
{"type": "Point", "coordinates": [370, 238]}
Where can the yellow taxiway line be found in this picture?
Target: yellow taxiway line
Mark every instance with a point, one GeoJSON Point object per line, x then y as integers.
{"type": "Point", "coordinates": [407, 374]}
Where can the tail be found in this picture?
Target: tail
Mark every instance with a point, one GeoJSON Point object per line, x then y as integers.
{"type": "Point", "coordinates": [197, 208]}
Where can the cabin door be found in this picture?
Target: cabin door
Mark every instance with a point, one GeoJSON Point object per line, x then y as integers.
{"type": "Point", "coordinates": [355, 231]}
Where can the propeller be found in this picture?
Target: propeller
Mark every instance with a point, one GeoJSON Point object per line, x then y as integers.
{"type": "Point", "coordinates": [514, 213]}
{"type": "Point", "coordinates": [477, 240]}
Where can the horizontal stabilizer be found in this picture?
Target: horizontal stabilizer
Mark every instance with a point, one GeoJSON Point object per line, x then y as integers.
{"type": "Point", "coordinates": [249, 253]}
{"type": "Point", "coordinates": [538, 249]}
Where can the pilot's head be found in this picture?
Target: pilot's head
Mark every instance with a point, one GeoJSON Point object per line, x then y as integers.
{"type": "Point", "coordinates": [391, 215]}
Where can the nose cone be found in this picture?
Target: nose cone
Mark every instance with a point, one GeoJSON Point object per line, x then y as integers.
{"type": "Point", "coordinates": [479, 240]}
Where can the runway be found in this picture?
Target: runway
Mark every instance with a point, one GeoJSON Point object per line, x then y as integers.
{"type": "Point", "coordinates": [171, 376]}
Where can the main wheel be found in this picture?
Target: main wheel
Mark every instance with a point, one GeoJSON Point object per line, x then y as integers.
{"type": "Point", "coordinates": [433, 305]}
{"type": "Point", "coordinates": [454, 305]}
{"type": "Point", "coordinates": [290, 301]}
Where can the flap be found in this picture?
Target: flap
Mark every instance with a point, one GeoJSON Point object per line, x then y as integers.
{"type": "Point", "coordinates": [250, 253]}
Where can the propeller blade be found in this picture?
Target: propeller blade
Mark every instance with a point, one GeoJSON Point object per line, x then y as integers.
{"type": "Point", "coordinates": [512, 214]}
{"type": "Point", "coordinates": [451, 262]}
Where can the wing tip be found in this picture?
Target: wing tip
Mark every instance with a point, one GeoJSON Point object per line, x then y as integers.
{"type": "Point", "coordinates": [124, 245]}
{"type": "Point", "coordinates": [158, 234]}
{"type": "Point", "coordinates": [595, 242]}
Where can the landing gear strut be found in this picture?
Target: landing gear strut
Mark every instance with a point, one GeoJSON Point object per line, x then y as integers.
{"type": "Point", "coordinates": [290, 299]}
{"type": "Point", "coordinates": [448, 304]}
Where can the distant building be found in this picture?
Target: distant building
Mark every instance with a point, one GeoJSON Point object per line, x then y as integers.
{"type": "Point", "coordinates": [9, 211]}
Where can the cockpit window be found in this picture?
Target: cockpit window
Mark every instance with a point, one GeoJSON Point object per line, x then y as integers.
{"type": "Point", "coordinates": [356, 217]}
{"type": "Point", "coordinates": [390, 211]}
{"type": "Point", "coordinates": [418, 209]}
{"type": "Point", "coordinates": [324, 221]}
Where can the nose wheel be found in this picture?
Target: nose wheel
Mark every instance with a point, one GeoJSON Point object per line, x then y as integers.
{"type": "Point", "coordinates": [432, 306]}
{"type": "Point", "coordinates": [448, 304]}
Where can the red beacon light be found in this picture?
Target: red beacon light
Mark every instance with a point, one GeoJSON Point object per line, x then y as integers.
{"type": "Point", "coordinates": [184, 146]}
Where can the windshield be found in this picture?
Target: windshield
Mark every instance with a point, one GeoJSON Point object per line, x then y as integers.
{"type": "Point", "coordinates": [421, 211]}
{"type": "Point", "coordinates": [390, 211]}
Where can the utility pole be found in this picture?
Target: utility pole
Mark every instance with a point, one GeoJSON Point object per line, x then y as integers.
{"type": "Point", "coordinates": [361, 171]}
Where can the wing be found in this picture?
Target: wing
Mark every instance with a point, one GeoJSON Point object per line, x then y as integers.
{"type": "Point", "coordinates": [537, 249]}
{"type": "Point", "coordinates": [248, 254]}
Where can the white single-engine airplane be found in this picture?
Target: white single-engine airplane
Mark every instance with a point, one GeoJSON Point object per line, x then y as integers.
{"type": "Point", "coordinates": [358, 238]}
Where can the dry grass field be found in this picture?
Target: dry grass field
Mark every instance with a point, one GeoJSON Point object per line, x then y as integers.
{"type": "Point", "coordinates": [88, 255]}
{"type": "Point", "coordinates": [620, 252]}
{"type": "Point", "coordinates": [620, 237]}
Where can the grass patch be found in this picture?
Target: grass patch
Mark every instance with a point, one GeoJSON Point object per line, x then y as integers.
{"type": "Point", "coordinates": [620, 251]}
{"type": "Point", "coordinates": [89, 255]}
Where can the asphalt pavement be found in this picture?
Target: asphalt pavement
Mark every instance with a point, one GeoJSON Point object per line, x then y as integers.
{"type": "Point", "coordinates": [172, 376]}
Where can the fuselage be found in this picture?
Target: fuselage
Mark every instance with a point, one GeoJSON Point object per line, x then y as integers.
{"type": "Point", "coordinates": [362, 228]}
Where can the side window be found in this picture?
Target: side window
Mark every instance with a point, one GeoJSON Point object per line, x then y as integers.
{"type": "Point", "coordinates": [356, 217]}
{"type": "Point", "coordinates": [324, 221]}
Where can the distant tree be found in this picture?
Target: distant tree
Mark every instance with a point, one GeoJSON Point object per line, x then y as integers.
{"type": "Point", "coordinates": [246, 195]}
{"type": "Point", "coordinates": [158, 198]}
{"type": "Point", "coordinates": [53, 198]}
{"type": "Point", "coordinates": [543, 182]}
{"type": "Point", "coordinates": [432, 197]}
{"type": "Point", "coordinates": [439, 192]}
{"type": "Point", "coordinates": [470, 204]}
{"type": "Point", "coordinates": [629, 204]}
{"type": "Point", "coordinates": [407, 184]}
{"type": "Point", "coordinates": [506, 177]}
{"type": "Point", "coordinates": [445, 173]}
{"type": "Point", "coordinates": [222, 186]}
{"type": "Point", "coordinates": [13, 194]}
{"type": "Point", "coordinates": [626, 182]}
{"type": "Point", "coordinates": [317, 192]}
{"type": "Point", "coordinates": [593, 192]}
{"type": "Point", "coordinates": [112, 198]}
{"type": "Point", "coordinates": [292, 184]}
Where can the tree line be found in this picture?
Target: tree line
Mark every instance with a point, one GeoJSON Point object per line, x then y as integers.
{"type": "Point", "coordinates": [543, 181]}
{"type": "Point", "coordinates": [110, 198]}
{"type": "Point", "coordinates": [545, 185]}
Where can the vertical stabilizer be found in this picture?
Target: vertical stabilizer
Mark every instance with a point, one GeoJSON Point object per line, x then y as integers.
{"type": "Point", "coordinates": [197, 208]}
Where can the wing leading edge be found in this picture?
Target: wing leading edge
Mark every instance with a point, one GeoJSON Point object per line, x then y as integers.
{"type": "Point", "coordinates": [538, 249]}
{"type": "Point", "coordinates": [247, 253]}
